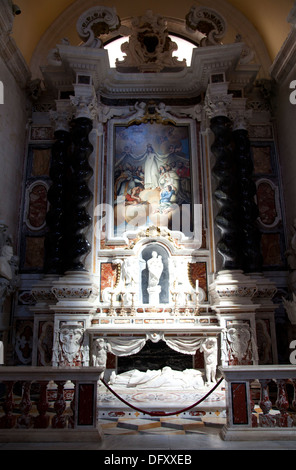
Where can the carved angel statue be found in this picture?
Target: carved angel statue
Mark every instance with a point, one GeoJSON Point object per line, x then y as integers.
{"type": "Point", "coordinates": [130, 272]}
{"type": "Point", "coordinates": [209, 349]}
{"type": "Point", "coordinates": [99, 357]}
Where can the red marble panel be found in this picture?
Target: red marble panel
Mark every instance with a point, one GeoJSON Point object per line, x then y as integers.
{"type": "Point", "coordinates": [85, 405]}
{"type": "Point", "coordinates": [198, 271]}
{"type": "Point", "coordinates": [239, 403]}
{"type": "Point", "coordinates": [108, 275]}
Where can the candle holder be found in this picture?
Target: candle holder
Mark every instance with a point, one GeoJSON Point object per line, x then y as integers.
{"type": "Point", "coordinates": [112, 312]}
{"type": "Point", "coordinates": [133, 310]}
{"type": "Point", "coordinates": [122, 308]}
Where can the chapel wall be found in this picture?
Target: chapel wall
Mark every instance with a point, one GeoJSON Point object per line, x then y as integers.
{"type": "Point", "coordinates": [13, 150]}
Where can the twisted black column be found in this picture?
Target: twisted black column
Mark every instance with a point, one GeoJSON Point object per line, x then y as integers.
{"type": "Point", "coordinates": [79, 196]}
{"type": "Point", "coordinates": [55, 218]}
{"type": "Point", "coordinates": [250, 240]}
{"type": "Point", "coordinates": [226, 193]}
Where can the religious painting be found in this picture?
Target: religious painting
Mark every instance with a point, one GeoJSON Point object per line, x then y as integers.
{"type": "Point", "coordinates": [152, 177]}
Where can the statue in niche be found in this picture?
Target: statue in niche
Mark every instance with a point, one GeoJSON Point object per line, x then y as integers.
{"type": "Point", "coordinates": [155, 268]}
{"type": "Point", "coordinates": [209, 349]}
{"type": "Point", "coordinates": [101, 348]}
{"type": "Point", "coordinates": [154, 275]}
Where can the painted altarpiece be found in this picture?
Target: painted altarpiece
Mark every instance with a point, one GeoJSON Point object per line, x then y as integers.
{"type": "Point", "coordinates": [152, 179]}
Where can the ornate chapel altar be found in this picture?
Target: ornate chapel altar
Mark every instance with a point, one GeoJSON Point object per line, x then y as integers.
{"type": "Point", "coordinates": [150, 237]}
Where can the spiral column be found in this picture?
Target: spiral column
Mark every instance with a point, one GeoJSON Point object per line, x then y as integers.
{"type": "Point", "coordinates": [250, 235]}
{"type": "Point", "coordinates": [227, 190]}
{"type": "Point", "coordinates": [79, 196]}
{"type": "Point", "coordinates": [55, 218]}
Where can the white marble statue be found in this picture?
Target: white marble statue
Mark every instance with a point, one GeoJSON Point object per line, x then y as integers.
{"type": "Point", "coordinates": [99, 357]}
{"type": "Point", "coordinates": [162, 378]}
{"type": "Point", "coordinates": [130, 274]}
{"type": "Point", "coordinates": [209, 349]}
{"type": "Point", "coordinates": [155, 268]}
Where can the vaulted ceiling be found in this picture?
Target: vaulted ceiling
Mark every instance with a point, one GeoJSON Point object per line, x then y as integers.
{"type": "Point", "coordinates": [269, 17]}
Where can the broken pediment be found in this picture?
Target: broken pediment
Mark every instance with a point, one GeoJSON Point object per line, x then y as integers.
{"type": "Point", "coordinates": [149, 49]}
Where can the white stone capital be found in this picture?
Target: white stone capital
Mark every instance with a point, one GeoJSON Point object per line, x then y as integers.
{"type": "Point", "coordinates": [217, 100]}
{"type": "Point", "coordinates": [239, 114]}
{"type": "Point", "coordinates": [62, 116]}
{"type": "Point", "coordinates": [85, 102]}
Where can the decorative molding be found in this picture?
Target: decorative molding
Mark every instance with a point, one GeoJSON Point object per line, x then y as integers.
{"type": "Point", "coordinates": [208, 22]}
{"type": "Point", "coordinates": [66, 22]}
{"type": "Point", "coordinates": [149, 48]}
{"type": "Point", "coordinates": [96, 21]}
{"type": "Point", "coordinates": [285, 60]}
{"type": "Point", "coordinates": [232, 288]}
{"type": "Point", "coordinates": [189, 82]}
{"type": "Point", "coordinates": [9, 51]}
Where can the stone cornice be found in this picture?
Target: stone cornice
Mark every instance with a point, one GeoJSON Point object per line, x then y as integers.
{"type": "Point", "coordinates": [286, 58]}
{"type": "Point", "coordinates": [189, 82]}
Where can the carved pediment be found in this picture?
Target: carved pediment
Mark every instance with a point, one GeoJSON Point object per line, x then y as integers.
{"type": "Point", "coordinates": [149, 49]}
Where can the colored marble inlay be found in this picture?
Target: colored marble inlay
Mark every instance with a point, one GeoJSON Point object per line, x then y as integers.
{"type": "Point", "coordinates": [266, 203]}
{"type": "Point", "coordinates": [271, 249]}
{"type": "Point", "coordinates": [198, 271]}
{"type": "Point", "coordinates": [85, 404]}
{"type": "Point", "coordinates": [108, 275]}
{"type": "Point", "coordinates": [239, 403]}
{"type": "Point", "coordinates": [34, 257]}
{"type": "Point", "coordinates": [41, 162]}
{"type": "Point", "coordinates": [262, 160]}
